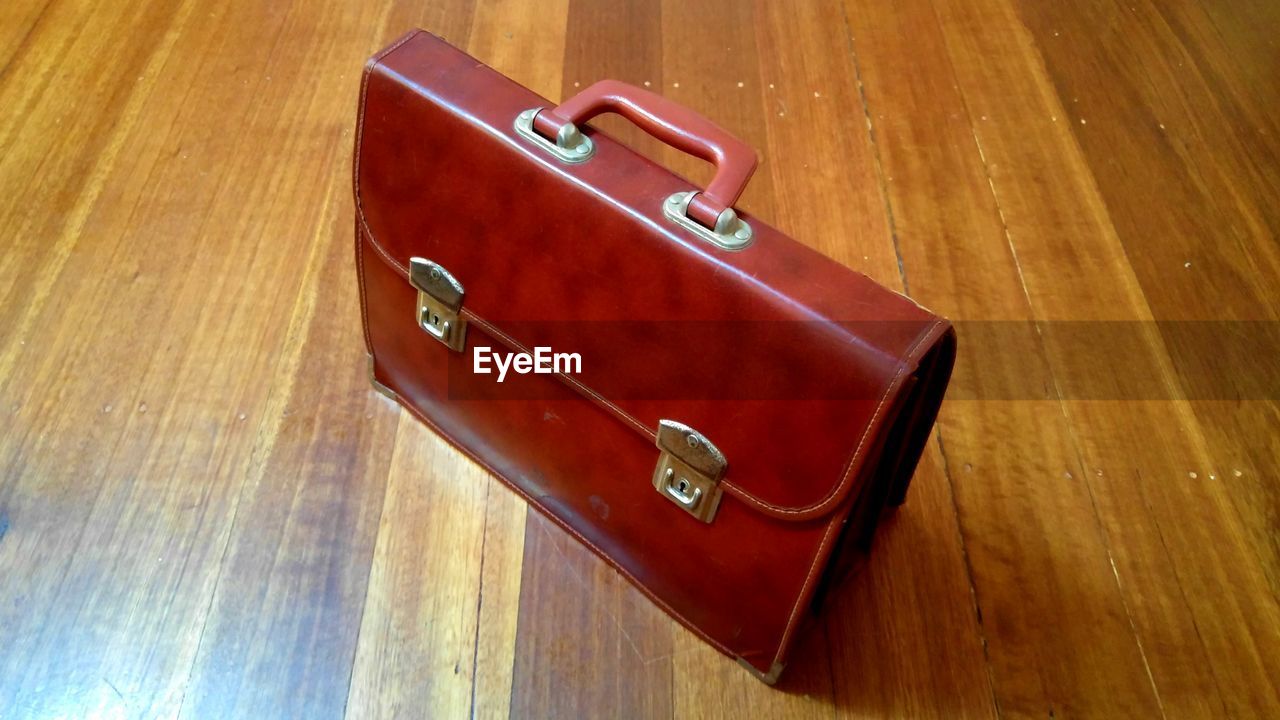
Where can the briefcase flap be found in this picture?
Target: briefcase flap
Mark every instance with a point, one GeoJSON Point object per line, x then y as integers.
{"type": "Point", "coordinates": [789, 363]}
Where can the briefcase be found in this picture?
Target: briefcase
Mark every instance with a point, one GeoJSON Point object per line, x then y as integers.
{"type": "Point", "coordinates": [718, 411]}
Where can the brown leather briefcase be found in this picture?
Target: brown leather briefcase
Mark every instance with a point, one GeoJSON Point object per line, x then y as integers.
{"type": "Point", "coordinates": [718, 411]}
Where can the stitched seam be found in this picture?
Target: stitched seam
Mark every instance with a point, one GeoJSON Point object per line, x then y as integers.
{"type": "Point", "coordinates": [364, 305]}
{"type": "Point", "coordinates": [732, 489]}
{"type": "Point", "coordinates": [355, 172]}
{"type": "Point", "coordinates": [647, 592]}
{"type": "Point", "coordinates": [848, 471]}
{"type": "Point", "coordinates": [500, 335]}
{"type": "Point", "coordinates": [355, 166]}
{"type": "Point", "coordinates": [546, 512]}
{"type": "Point", "coordinates": [804, 589]}
{"type": "Point", "coordinates": [385, 255]}
{"type": "Point", "coordinates": [599, 399]}
{"type": "Point", "coordinates": [622, 414]}
{"type": "Point", "coordinates": [822, 546]}
{"type": "Point", "coordinates": [364, 94]}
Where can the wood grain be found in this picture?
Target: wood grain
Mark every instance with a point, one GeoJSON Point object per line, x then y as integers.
{"type": "Point", "coordinates": [1011, 494]}
{"type": "Point", "coordinates": [205, 511]}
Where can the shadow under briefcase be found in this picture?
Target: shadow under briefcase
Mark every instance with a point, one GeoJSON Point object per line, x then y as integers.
{"type": "Point", "coordinates": [713, 408]}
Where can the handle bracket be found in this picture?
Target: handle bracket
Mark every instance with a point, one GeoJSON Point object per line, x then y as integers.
{"type": "Point", "coordinates": [571, 145]}
{"type": "Point", "coordinates": [730, 233]}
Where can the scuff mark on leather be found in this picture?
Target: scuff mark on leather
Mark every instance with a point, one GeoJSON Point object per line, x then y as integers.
{"type": "Point", "coordinates": [600, 507]}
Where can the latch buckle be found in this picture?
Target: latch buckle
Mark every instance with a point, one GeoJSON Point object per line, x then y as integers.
{"type": "Point", "coordinates": [439, 301]}
{"type": "Point", "coordinates": [689, 470]}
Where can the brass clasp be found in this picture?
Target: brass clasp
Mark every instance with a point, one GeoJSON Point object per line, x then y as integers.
{"type": "Point", "coordinates": [439, 301]}
{"type": "Point", "coordinates": [689, 469]}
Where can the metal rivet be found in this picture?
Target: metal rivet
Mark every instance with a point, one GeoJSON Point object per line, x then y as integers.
{"type": "Point", "coordinates": [583, 149]}
{"type": "Point", "coordinates": [435, 274]}
{"type": "Point", "coordinates": [692, 440]}
{"type": "Point", "coordinates": [674, 199]}
{"type": "Point", "coordinates": [742, 234]}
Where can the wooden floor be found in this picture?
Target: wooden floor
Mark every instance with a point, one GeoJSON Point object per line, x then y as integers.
{"type": "Point", "coordinates": [205, 511]}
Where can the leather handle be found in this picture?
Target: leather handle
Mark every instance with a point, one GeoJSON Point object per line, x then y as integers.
{"type": "Point", "coordinates": [673, 124]}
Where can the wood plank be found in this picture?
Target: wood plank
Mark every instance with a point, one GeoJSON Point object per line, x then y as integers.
{"type": "Point", "coordinates": [65, 171]}
{"type": "Point", "coordinates": [587, 639]}
{"type": "Point", "coordinates": [1213, 153]}
{"type": "Point", "coordinates": [283, 617]}
{"type": "Point", "coordinates": [18, 22]}
{"type": "Point", "coordinates": [903, 634]}
{"type": "Point", "coordinates": [1075, 266]}
{"type": "Point", "coordinates": [1196, 183]}
{"type": "Point", "coordinates": [718, 76]}
{"type": "Point", "coordinates": [286, 614]}
{"type": "Point", "coordinates": [128, 518]}
{"type": "Point", "coordinates": [1058, 590]}
{"type": "Point", "coordinates": [499, 602]}
{"type": "Point", "coordinates": [418, 635]}
{"type": "Point", "coordinates": [1233, 48]}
